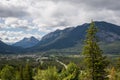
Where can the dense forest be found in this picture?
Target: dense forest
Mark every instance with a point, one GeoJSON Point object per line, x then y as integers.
{"type": "Point", "coordinates": [93, 65]}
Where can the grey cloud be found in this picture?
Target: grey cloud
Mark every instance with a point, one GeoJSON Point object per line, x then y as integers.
{"type": "Point", "coordinates": [12, 11]}
{"type": "Point", "coordinates": [0, 38]}
{"type": "Point", "coordinates": [103, 8]}
{"type": "Point", "coordinates": [99, 4]}
{"type": "Point", "coordinates": [24, 27]}
{"type": "Point", "coordinates": [6, 38]}
{"type": "Point", "coordinates": [94, 4]}
{"type": "Point", "coordinates": [85, 10]}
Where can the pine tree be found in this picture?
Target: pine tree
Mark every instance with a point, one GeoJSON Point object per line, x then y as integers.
{"type": "Point", "coordinates": [95, 62]}
{"type": "Point", "coordinates": [19, 74]}
{"type": "Point", "coordinates": [27, 73]}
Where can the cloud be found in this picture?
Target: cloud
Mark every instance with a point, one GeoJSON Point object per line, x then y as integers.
{"type": "Point", "coordinates": [12, 11]}
{"type": "Point", "coordinates": [54, 13]}
{"type": "Point", "coordinates": [15, 36]}
{"type": "Point", "coordinates": [12, 22]}
{"type": "Point", "coordinates": [95, 4]}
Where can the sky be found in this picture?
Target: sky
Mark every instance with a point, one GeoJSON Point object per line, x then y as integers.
{"type": "Point", "coordinates": [25, 18]}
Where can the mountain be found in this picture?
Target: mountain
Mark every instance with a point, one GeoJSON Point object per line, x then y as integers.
{"type": "Point", "coordinates": [26, 42]}
{"type": "Point", "coordinates": [108, 33]}
{"type": "Point", "coordinates": [7, 49]}
{"type": "Point", "coordinates": [53, 36]}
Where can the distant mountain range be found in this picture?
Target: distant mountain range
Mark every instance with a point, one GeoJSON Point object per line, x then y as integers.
{"type": "Point", "coordinates": [71, 39]}
{"type": "Point", "coordinates": [27, 42]}
{"type": "Point", "coordinates": [18, 47]}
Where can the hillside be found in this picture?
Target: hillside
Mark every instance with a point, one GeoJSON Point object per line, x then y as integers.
{"type": "Point", "coordinates": [70, 37]}
{"type": "Point", "coordinates": [7, 49]}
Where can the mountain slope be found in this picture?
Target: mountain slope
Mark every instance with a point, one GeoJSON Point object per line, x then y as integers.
{"type": "Point", "coordinates": [27, 42]}
{"type": "Point", "coordinates": [54, 36]}
{"type": "Point", "coordinates": [70, 37]}
{"type": "Point", "coordinates": [7, 49]}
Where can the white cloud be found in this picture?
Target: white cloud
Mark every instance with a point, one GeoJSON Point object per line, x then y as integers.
{"type": "Point", "coordinates": [10, 20]}
{"type": "Point", "coordinates": [15, 36]}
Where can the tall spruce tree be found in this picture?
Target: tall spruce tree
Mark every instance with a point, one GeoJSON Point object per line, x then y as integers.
{"type": "Point", "coordinates": [27, 72]}
{"type": "Point", "coordinates": [19, 74]}
{"type": "Point", "coordinates": [94, 60]}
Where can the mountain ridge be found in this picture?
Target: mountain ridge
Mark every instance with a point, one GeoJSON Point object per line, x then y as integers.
{"type": "Point", "coordinates": [26, 42]}
{"type": "Point", "coordinates": [107, 33]}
